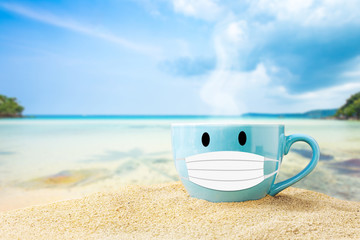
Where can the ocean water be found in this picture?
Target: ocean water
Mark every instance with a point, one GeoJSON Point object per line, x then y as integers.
{"type": "Point", "coordinates": [53, 158]}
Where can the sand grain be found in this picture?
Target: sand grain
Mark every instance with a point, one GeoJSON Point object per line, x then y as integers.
{"type": "Point", "coordinates": [167, 212]}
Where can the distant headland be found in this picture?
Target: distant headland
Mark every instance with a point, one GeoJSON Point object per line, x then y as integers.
{"type": "Point", "coordinates": [351, 109]}
{"type": "Point", "coordinates": [314, 114]}
{"type": "Point", "coordinates": [9, 107]}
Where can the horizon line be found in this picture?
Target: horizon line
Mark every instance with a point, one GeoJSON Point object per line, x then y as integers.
{"type": "Point", "coordinates": [172, 115]}
{"type": "Point", "coordinates": [140, 114]}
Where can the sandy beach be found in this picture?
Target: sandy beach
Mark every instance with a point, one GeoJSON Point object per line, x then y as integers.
{"type": "Point", "coordinates": [165, 211]}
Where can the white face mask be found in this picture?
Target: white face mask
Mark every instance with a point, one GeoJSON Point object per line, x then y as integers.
{"type": "Point", "coordinates": [227, 170]}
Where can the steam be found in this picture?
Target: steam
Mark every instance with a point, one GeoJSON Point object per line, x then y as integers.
{"type": "Point", "coordinates": [227, 88]}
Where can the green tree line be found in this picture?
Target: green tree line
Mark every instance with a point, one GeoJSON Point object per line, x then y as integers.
{"type": "Point", "coordinates": [351, 109]}
{"type": "Point", "coordinates": [9, 107]}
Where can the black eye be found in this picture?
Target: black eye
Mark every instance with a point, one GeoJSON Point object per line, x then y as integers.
{"type": "Point", "coordinates": [242, 138]}
{"type": "Point", "coordinates": [205, 139]}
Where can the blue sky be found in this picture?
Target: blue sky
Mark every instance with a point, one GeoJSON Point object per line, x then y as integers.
{"type": "Point", "coordinates": [179, 56]}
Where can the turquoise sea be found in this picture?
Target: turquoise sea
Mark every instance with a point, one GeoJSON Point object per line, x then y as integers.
{"type": "Point", "coordinates": [49, 158]}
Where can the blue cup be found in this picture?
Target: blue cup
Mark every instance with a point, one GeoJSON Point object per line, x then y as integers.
{"type": "Point", "coordinates": [234, 162]}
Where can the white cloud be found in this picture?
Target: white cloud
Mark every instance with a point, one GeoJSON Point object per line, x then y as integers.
{"type": "Point", "coordinates": [232, 42]}
{"type": "Point", "coordinates": [226, 90]}
{"type": "Point", "coordinates": [331, 97]}
{"type": "Point", "coordinates": [225, 87]}
{"type": "Point", "coordinates": [303, 12]}
{"type": "Point", "coordinates": [75, 26]}
{"type": "Point", "coordinates": [328, 93]}
{"type": "Point", "coordinates": [310, 12]}
{"type": "Point", "coordinates": [233, 92]}
{"type": "Point", "coordinates": [230, 89]}
{"type": "Point", "coordinates": [202, 9]}
{"type": "Point", "coordinates": [237, 32]}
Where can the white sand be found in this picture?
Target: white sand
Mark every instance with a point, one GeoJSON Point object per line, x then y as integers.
{"type": "Point", "coordinates": [167, 212]}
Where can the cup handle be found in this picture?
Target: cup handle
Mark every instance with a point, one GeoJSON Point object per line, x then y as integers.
{"type": "Point", "coordinates": [276, 188]}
